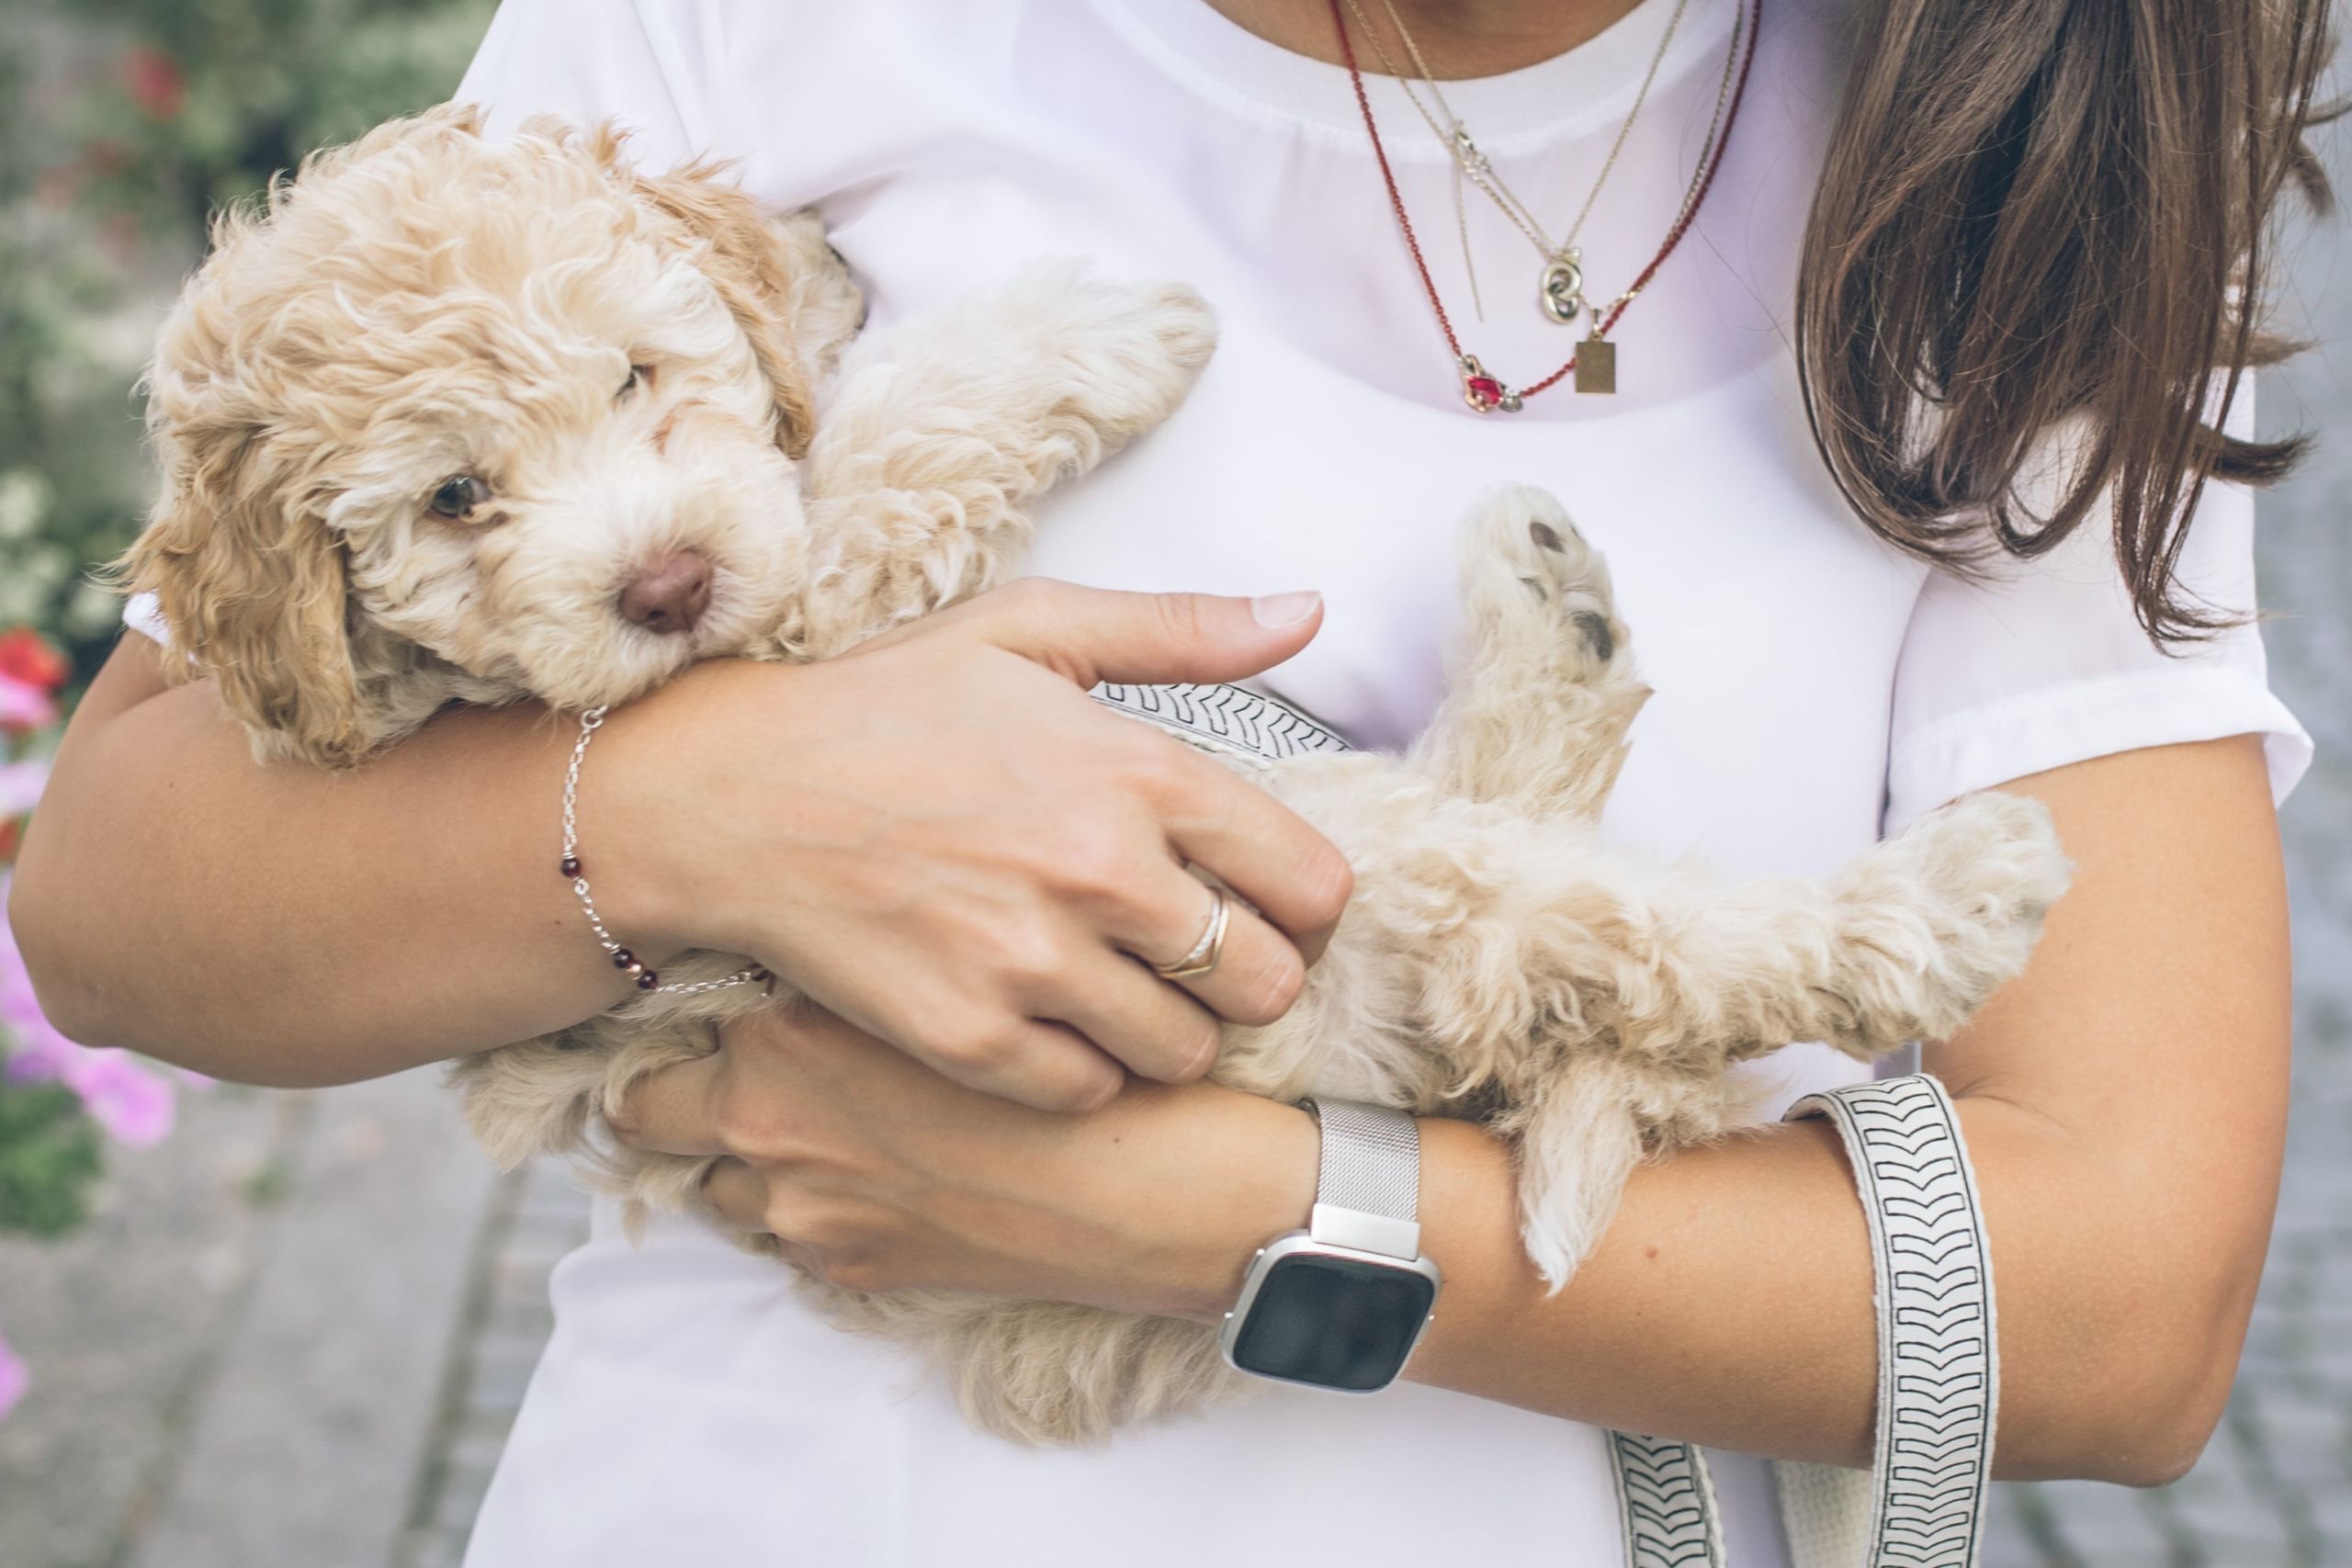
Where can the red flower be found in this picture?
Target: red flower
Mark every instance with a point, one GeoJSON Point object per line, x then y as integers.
{"type": "Point", "coordinates": [154, 80]}
{"type": "Point", "coordinates": [27, 655]}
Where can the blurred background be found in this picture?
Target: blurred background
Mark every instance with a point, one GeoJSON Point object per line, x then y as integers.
{"type": "Point", "coordinates": [243, 1328]}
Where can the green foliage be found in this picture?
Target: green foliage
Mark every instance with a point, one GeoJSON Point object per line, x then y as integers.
{"type": "Point", "coordinates": [124, 124]}
{"type": "Point", "coordinates": [49, 1159]}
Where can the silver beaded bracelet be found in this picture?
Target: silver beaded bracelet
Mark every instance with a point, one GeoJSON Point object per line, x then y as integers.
{"type": "Point", "coordinates": [575, 874]}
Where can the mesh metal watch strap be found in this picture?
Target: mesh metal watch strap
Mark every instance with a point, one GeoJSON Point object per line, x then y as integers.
{"type": "Point", "coordinates": [1368, 1181]}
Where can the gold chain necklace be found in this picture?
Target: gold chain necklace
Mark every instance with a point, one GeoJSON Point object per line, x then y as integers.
{"type": "Point", "coordinates": [1594, 364]}
{"type": "Point", "coordinates": [1560, 289]}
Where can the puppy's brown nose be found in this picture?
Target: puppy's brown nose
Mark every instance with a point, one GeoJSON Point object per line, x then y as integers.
{"type": "Point", "coordinates": [671, 595]}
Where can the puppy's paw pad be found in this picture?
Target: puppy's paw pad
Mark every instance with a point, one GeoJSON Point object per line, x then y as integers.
{"type": "Point", "coordinates": [1526, 540]}
{"type": "Point", "coordinates": [1993, 854]}
{"type": "Point", "coordinates": [1599, 640]}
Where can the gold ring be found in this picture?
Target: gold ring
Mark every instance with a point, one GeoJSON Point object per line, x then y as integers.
{"type": "Point", "coordinates": [1205, 952]}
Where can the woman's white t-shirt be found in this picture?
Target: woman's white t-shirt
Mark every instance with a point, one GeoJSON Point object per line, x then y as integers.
{"type": "Point", "coordinates": [1815, 687]}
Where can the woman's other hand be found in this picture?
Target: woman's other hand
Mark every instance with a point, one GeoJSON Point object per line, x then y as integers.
{"type": "Point", "coordinates": [941, 838]}
{"type": "Point", "coordinates": [876, 1174]}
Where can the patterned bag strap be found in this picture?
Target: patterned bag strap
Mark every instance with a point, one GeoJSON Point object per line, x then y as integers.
{"type": "Point", "coordinates": [1232, 720]}
{"type": "Point", "coordinates": [1666, 1503]}
{"type": "Point", "coordinates": [1939, 1377]}
{"type": "Point", "coordinates": [1939, 1394]}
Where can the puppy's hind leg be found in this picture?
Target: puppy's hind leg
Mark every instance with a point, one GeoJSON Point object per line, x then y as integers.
{"type": "Point", "coordinates": [1578, 1140]}
{"type": "Point", "coordinates": [1682, 976]}
{"type": "Point", "coordinates": [943, 428]}
{"type": "Point", "coordinates": [1543, 687]}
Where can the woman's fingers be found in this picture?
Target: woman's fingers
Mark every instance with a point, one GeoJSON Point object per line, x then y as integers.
{"type": "Point", "coordinates": [1258, 972]}
{"type": "Point", "coordinates": [1034, 1062]}
{"type": "Point", "coordinates": [1220, 820]}
{"type": "Point", "coordinates": [1092, 635]}
{"type": "Point", "coordinates": [674, 1112]}
{"type": "Point", "coordinates": [1157, 1030]}
{"type": "Point", "coordinates": [739, 1193]}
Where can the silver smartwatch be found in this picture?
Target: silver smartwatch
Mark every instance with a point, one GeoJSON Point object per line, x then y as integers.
{"type": "Point", "coordinates": [1341, 1304]}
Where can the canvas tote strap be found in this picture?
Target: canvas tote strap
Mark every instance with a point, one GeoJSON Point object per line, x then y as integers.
{"type": "Point", "coordinates": [1666, 1503]}
{"type": "Point", "coordinates": [1923, 1503]}
{"type": "Point", "coordinates": [1938, 1380]}
{"type": "Point", "coordinates": [1232, 720]}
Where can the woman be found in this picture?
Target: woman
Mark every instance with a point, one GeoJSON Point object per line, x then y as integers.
{"type": "Point", "coordinates": [2039, 208]}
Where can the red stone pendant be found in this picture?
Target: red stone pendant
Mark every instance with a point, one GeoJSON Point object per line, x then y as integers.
{"type": "Point", "coordinates": [1483, 393]}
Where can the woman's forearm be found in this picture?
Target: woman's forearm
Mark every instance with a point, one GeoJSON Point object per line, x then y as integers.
{"type": "Point", "coordinates": [1730, 1303]}
{"type": "Point", "coordinates": [286, 925]}
{"type": "Point", "coordinates": [937, 835]}
{"type": "Point", "coordinates": [2124, 1104]}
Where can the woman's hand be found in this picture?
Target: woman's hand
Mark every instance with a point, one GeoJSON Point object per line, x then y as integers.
{"type": "Point", "coordinates": [941, 838]}
{"type": "Point", "coordinates": [876, 1174]}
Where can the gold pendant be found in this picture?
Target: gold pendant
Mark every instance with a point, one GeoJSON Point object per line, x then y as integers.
{"type": "Point", "coordinates": [1562, 291]}
{"type": "Point", "coordinates": [1596, 364]}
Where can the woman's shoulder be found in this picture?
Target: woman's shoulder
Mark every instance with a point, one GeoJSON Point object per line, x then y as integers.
{"type": "Point", "coordinates": [734, 78]}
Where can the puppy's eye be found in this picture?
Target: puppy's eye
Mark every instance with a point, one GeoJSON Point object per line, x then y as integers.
{"type": "Point", "coordinates": [458, 497]}
{"type": "Point", "coordinates": [639, 375]}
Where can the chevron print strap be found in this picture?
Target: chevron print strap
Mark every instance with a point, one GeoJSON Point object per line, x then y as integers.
{"type": "Point", "coordinates": [1938, 1380]}
{"type": "Point", "coordinates": [1666, 1502]}
{"type": "Point", "coordinates": [1228, 719]}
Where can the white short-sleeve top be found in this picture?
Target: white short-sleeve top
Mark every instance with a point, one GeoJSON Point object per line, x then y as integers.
{"type": "Point", "coordinates": [1815, 687]}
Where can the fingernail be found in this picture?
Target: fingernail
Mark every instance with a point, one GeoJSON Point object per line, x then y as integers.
{"type": "Point", "coordinates": [1278, 610]}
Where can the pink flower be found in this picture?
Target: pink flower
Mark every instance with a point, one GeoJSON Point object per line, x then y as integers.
{"type": "Point", "coordinates": [14, 1379]}
{"type": "Point", "coordinates": [134, 1105]}
{"type": "Point", "coordinates": [131, 1104]}
{"type": "Point", "coordinates": [24, 705]}
{"type": "Point", "coordinates": [20, 784]}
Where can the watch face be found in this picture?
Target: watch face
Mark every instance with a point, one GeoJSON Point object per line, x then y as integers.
{"type": "Point", "coordinates": [1333, 1321]}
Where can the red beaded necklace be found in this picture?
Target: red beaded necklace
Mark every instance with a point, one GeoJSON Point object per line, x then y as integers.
{"type": "Point", "coordinates": [1594, 363]}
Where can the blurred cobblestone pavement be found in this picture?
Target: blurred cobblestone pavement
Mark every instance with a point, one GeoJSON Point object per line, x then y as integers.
{"type": "Point", "coordinates": [2275, 1489]}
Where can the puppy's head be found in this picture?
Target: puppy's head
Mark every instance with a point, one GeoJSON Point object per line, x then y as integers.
{"type": "Point", "coordinates": [505, 411]}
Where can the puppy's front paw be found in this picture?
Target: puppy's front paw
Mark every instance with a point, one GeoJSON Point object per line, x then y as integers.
{"type": "Point", "coordinates": [1126, 354]}
{"type": "Point", "coordinates": [1990, 858]}
{"type": "Point", "coordinates": [1525, 566]}
{"type": "Point", "coordinates": [1979, 875]}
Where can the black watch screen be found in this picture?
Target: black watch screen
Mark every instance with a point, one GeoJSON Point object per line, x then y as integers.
{"type": "Point", "coordinates": [1334, 1322]}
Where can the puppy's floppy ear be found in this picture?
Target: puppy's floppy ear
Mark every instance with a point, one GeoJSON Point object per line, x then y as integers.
{"type": "Point", "coordinates": [758, 271]}
{"type": "Point", "coordinates": [253, 588]}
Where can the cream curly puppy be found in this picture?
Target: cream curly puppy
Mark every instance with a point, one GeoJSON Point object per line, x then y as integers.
{"type": "Point", "coordinates": [461, 421]}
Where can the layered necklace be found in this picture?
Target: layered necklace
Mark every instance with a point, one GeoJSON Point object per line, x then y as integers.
{"type": "Point", "coordinates": [1561, 288]}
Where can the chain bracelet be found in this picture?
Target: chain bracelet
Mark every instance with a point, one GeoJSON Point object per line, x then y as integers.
{"type": "Point", "coordinates": [571, 867]}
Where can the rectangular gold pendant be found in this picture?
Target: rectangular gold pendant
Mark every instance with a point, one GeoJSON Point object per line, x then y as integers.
{"type": "Point", "coordinates": [1596, 366]}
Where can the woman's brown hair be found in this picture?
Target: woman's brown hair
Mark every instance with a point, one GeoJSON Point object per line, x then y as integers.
{"type": "Point", "coordinates": [2039, 213]}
